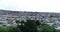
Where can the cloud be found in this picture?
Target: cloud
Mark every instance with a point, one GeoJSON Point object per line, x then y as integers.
{"type": "Point", "coordinates": [31, 5]}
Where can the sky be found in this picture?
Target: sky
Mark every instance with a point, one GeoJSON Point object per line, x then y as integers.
{"type": "Point", "coordinates": [31, 5]}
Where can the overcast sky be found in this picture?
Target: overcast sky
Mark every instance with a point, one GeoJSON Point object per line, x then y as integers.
{"type": "Point", "coordinates": [31, 5]}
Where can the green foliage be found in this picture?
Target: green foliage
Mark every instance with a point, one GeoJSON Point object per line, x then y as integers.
{"type": "Point", "coordinates": [17, 21]}
{"type": "Point", "coordinates": [38, 23]}
{"type": "Point", "coordinates": [57, 30]}
{"type": "Point", "coordinates": [46, 28]}
{"type": "Point", "coordinates": [14, 29]}
{"type": "Point", "coordinates": [1, 23]}
{"type": "Point", "coordinates": [30, 26]}
{"type": "Point", "coordinates": [22, 27]}
{"type": "Point", "coordinates": [9, 29]}
{"type": "Point", "coordinates": [3, 29]}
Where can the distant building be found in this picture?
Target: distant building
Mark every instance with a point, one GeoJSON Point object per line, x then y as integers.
{"type": "Point", "coordinates": [8, 17]}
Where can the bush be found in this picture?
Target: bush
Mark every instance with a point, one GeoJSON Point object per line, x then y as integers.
{"type": "Point", "coordinates": [46, 28]}
{"type": "Point", "coordinates": [9, 29]}
{"type": "Point", "coordinates": [3, 29]}
{"type": "Point", "coordinates": [30, 26]}
{"type": "Point", "coordinates": [14, 29]}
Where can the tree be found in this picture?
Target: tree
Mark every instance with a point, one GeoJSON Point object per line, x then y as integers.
{"type": "Point", "coordinates": [3, 29]}
{"type": "Point", "coordinates": [22, 26]}
{"type": "Point", "coordinates": [38, 23]}
{"type": "Point", "coordinates": [46, 28]}
{"type": "Point", "coordinates": [30, 26]}
{"type": "Point", "coordinates": [14, 29]}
